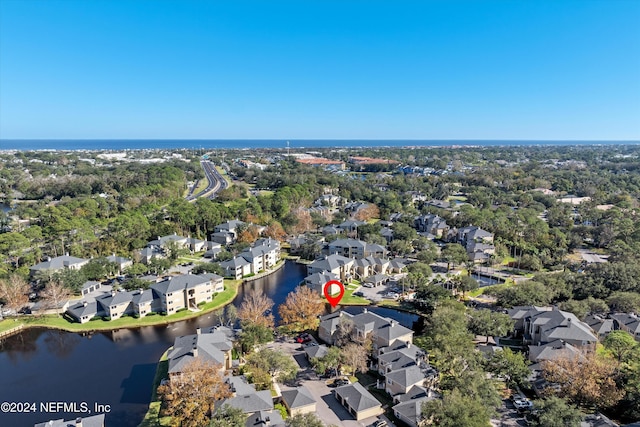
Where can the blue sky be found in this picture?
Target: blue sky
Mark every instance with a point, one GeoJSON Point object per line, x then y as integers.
{"type": "Point", "coordinates": [365, 69]}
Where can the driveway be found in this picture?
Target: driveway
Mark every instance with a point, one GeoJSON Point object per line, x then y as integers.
{"type": "Point", "coordinates": [327, 407]}
{"type": "Point", "coordinates": [330, 411]}
{"type": "Point", "coordinates": [508, 416]}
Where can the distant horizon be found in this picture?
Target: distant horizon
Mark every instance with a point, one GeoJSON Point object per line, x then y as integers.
{"type": "Point", "coordinates": [280, 144]}
{"type": "Point", "coordinates": [327, 139]}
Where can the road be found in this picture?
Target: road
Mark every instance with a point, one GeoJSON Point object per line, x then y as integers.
{"type": "Point", "coordinates": [216, 182]}
{"type": "Point", "coordinates": [328, 409]}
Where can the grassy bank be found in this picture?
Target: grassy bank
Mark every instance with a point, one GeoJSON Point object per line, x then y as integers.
{"type": "Point", "coordinates": [58, 322]}
{"type": "Point", "coordinates": [152, 418]}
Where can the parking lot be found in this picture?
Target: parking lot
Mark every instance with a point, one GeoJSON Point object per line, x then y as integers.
{"type": "Point", "coordinates": [379, 293]}
{"type": "Point", "coordinates": [327, 407]}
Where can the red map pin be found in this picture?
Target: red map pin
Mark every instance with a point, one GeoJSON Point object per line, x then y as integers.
{"type": "Point", "coordinates": [330, 292]}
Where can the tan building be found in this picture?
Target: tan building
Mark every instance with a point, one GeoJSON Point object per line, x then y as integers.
{"type": "Point", "coordinates": [358, 401]}
{"type": "Point", "coordinates": [186, 291]}
{"type": "Point", "coordinates": [298, 401]}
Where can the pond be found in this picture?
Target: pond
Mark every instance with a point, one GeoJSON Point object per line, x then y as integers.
{"type": "Point", "coordinates": [113, 368]}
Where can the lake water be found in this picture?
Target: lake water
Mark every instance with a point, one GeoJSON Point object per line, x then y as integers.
{"type": "Point", "coordinates": [111, 368]}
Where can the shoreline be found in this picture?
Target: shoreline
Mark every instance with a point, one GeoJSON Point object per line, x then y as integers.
{"type": "Point", "coordinates": [45, 321]}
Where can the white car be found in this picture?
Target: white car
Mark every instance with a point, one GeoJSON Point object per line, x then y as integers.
{"type": "Point", "coordinates": [523, 404]}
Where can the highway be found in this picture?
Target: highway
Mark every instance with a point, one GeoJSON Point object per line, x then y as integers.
{"type": "Point", "coordinates": [216, 182]}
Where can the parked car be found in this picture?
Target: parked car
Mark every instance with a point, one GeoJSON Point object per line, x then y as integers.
{"type": "Point", "coordinates": [380, 423]}
{"type": "Point", "coordinates": [341, 381]}
{"type": "Point", "coordinates": [368, 285]}
{"type": "Point", "coordinates": [358, 294]}
{"type": "Point", "coordinates": [523, 404]}
{"type": "Point", "coordinates": [304, 338]}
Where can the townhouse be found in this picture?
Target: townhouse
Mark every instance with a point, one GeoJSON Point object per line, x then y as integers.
{"type": "Point", "coordinates": [337, 265]}
{"type": "Point", "coordinates": [541, 325]}
{"type": "Point", "coordinates": [263, 255]}
{"type": "Point", "coordinates": [167, 296]}
{"type": "Point", "coordinates": [57, 264]}
{"type": "Point", "coordinates": [431, 224]}
{"type": "Point", "coordinates": [213, 346]}
{"type": "Point", "coordinates": [353, 248]}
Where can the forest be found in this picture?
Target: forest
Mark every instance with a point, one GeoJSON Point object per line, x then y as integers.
{"type": "Point", "coordinates": [91, 206]}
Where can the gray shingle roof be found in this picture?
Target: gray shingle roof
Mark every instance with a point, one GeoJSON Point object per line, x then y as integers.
{"type": "Point", "coordinates": [83, 309]}
{"type": "Point", "coordinates": [298, 397]}
{"type": "Point", "coordinates": [58, 262]}
{"type": "Point", "coordinates": [319, 279]}
{"type": "Point", "coordinates": [210, 347]}
{"type": "Point", "coordinates": [265, 418]}
{"type": "Point", "coordinates": [179, 283]}
{"type": "Point", "coordinates": [411, 409]}
{"type": "Point", "coordinates": [142, 297]}
{"type": "Point", "coordinates": [397, 360]}
{"type": "Point", "coordinates": [316, 351]}
{"type": "Point", "coordinates": [115, 298]}
{"type": "Point", "coordinates": [239, 385]}
{"type": "Point", "coordinates": [118, 259]}
{"type": "Point", "coordinates": [552, 351]}
{"type": "Point", "coordinates": [415, 392]}
{"type": "Point", "coordinates": [331, 262]}
{"type": "Point", "coordinates": [252, 402]}
{"type": "Point", "coordinates": [406, 376]}
{"type": "Point", "coordinates": [357, 397]}
{"type": "Point", "coordinates": [234, 263]}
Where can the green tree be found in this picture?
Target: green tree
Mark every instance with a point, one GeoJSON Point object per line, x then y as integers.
{"type": "Point", "coordinates": [228, 416]}
{"type": "Point", "coordinates": [490, 323]}
{"type": "Point", "coordinates": [452, 254]}
{"type": "Point", "coordinates": [465, 284]}
{"type": "Point", "coordinates": [624, 302]}
{"type": "Point", "coordinates": [136, 283]}
{"type": "Point", "coordinates": [208, 267]}
{"type": "Point", "coordinates": [527, 293]}
{"type": "Point", "coordinates": [328, 362]}
{"type": "Point", "coordinates": [99, 269]}
{"type": "Point", "coordinates": [281, 367]}
{"type": "Point", "coordinates": [622, 346]}
{"type": "Point", "coordinates": [71, 279]}
{"type": "Point", "coordinates": [511, 366]}
{"type": "Point", "coordinates": [555, 412]}
{"type": "Point", "coordinates": [253, 334]}
{"type": "Point", "coordinates": [304, 420]}
{"type": "Point", "coordinates": [455, 410]}
{"type": "Point", "coordinates": [428, 253]}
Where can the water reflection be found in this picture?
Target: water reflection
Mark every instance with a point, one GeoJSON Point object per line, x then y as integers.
{"type": "Point", "coordinates": [116, 367]}
{"type": "Point", "coordinates": [60, 343]}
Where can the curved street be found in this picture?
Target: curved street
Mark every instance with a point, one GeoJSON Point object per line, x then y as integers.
{"type": "Point", "coordinates": [216, 182]}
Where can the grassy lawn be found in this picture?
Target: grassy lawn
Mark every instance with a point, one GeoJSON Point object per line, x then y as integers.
{"type": "Point", "coordinates": [390, 303]}
{"type": "Point", "coordinates": [349, 299]}
{"type": "Point", "coordinates": [52, 321]}
{"type": "Point", "coordinates": [7, 324]}
{"type": "Point", "coordinates": [202, 185]}
{"type": "Point", "coordinates": [224, 175]}
{"type": "Point", "coordinates": [477, 292]}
